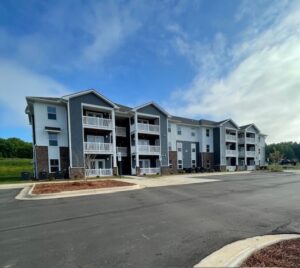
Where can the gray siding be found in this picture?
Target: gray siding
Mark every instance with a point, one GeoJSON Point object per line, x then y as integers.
{"type": "Point", "coordinates": [187, 153]}
{"type": "Point", "coordinates": [217, 148]}
{"type": "Point", "coordinates": [152, 110]}
{"type": "Point", "coordinates": [76, 124]}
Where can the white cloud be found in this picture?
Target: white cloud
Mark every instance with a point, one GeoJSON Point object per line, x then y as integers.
{"type": "Point", "coordinates": [16, 82]}
{"type": "Point", "coordinates": [262, 86]}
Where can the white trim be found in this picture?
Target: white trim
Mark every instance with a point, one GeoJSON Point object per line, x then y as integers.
{"type": "Point", "coordinates": [236, 125]}
{"type": "Point", "coordinates": [148, 115]}
{"type": "Point", "coordinates": [85, 92]}
{"type": "Point", "coordinates": [83, 104]}
{"type": "Point", "coordinates": [253, 125]}
{"type": "Point", "coordinates": [49, 163]}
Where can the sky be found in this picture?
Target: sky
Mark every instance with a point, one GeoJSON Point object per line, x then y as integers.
{"type": "Point", "coordinates": [197, 58]}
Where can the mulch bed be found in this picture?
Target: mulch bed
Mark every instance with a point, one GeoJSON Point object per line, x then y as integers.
{"type": "Point", "coordinates": [47, 188]}
{"type": "Point", "coordinates": [283, 254]}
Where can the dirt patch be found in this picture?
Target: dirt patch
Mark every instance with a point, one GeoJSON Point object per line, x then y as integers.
{"type": "Point", "coordinates": [47, 188]}
{"type": "Point", "coordinates": [283, 254]}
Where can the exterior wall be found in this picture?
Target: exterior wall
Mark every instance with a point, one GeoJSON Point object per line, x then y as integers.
{"type": "Point", "coordinates": [75, 107]}
{"type": "Point", "coordinates": [152, 110]}
{"type": "Point", "coordinates": [217, 146]}
{"type": "Point", "coordinates": [204, 157]}
{"type": "Point", "coordinates": [204, 140]}
{"type": "Point", "coordinates": [173, 157]}
{"type": "Point", "coordinates": [64, 158]}
{"type": "Point", "coordinates": [262, 147]}
{"type": "Point", "coordinates": [41, 121]}
{"type": "Point", "coordinates": [42, 160]}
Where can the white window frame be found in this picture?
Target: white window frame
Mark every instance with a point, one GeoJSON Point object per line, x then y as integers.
{"type": "Point", "coordinates": [51, 112]}
{"type": "Point", "coordinates": [50, 166]}
{"type": "Point", "coordinates": [49, 140]}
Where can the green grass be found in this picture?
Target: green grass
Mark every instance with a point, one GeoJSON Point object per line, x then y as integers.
{"type": "Point", "coordinates": [291, 166]}
{"type": "Point", "coordinates": [11, 168]}
{"type": "Point", "coordinates": [275, 168]}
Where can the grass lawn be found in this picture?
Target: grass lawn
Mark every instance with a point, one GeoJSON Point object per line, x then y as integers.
{"type": "Point", "coordinates": [291, 166]}
{"type": "Point", "coordinates": [11, 168]}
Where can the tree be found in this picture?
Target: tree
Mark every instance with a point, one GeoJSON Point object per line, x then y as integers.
{"type": "Point", "coordinates": [275, 156]}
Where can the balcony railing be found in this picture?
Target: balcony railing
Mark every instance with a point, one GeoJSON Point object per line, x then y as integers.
{"type": "Point", "coordinates": [250, 140]}
{"type": "Point", "coordinates": [98, 147]}
{"type": "Point", "coordinates": [230, 168]}
{"type": "Point", "coordinates": [122, 150]}
{"type": "Point", "coordinates": [250, 153]}
{"type": "Point", "coordinates": [103, 172]}
{"type": "Point", "coordinates": [146, 149]}
{"type": "Point", "coordinates": [251, 167]}
{"type": "Point", "coordinates": [231, 153]}
{"type": "Point", "coordinates": [146, 128]}
{"type": "Point", "coordinates": [155, 170]}
{"type": "Point", "coordinates": [230, 137]}
{"type": "Point", "coordinates": [121, 131]}
{"type": "Point", "coordinates": [96, 122]}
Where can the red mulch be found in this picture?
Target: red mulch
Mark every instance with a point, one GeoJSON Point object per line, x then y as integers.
{"type": "Point", "coordinates": [46, 188]}
{"type": "Point", "coordinates": [282, 254]}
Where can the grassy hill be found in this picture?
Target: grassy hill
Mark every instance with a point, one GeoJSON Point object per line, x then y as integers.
{"type": "Point", "coordinates": [11, 168]}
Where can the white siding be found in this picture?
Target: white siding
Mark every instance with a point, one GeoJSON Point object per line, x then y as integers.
{"type": "Point", "coordinates": [41, 121]}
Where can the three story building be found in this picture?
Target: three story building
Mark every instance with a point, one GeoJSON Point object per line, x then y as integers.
{"type": "Point", "coordinates": [86, 134]}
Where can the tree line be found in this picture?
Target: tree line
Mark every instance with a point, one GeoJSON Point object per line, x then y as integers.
{"type": "Point", "coordinates": [285, 150]}
{"type": "Point", "coordinates": [15, 148]}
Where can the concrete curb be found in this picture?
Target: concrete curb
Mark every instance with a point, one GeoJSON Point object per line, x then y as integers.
{"type": "Point", "coordinates": [26, 193]}
{"type": "Point", "coordinates": [234, 254]}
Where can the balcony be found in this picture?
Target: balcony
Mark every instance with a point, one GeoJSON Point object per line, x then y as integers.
{"type": "Point", "coordinates": [98, 148]}
{"type": "Point", "coordinates": [96, 122]}
{"type": "Point", "coordinates": [250, 153]}
{"type": "Point", "coordinates": [121, 131]}
{"type": "Point", "coordinates": [230, 137]}
{"type": "Point", "coordinates": [250, 168]}
{"type": "Point", "coordinates": [122, 150]}
{"type": "Point", "coordinates": [231, 168]}
{"type": "Point", "coordinates": [146, 149]}
{"type": "Point", "coordinates": [241, 153]}
{"type": "Point", "coordinates": [248, 140]}
{"type": "Point", "coordinates": [104, 172]}
{"type": "Point", "coordinates": [155, 170]}
{"type": "Point", "coordinates": [231, 153]}
{"type": "Point", "coordinates": [146, 128]}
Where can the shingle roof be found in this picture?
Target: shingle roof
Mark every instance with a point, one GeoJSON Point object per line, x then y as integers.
{"type": "Point", "coordinates": [245, 126]}
{"type": "Point", "coordinates": [185, 120]}
{"type": "Point", "coordinates": [44, 98]}
{"type": "Point", "coordinates": [208, 122]}
{"type": "Point", "coordinates": [123, 108]}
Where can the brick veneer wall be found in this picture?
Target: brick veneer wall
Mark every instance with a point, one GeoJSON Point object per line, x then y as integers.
{"type": "Point", "coordinates": [42, 160]}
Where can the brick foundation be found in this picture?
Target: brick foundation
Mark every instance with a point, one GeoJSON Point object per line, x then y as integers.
{"type": "Point", "coordinates": [204, 157]}
{"type": "Point", "coordinates": [76, 173]}
{"type": "Point", "coordinates": [42, 160]}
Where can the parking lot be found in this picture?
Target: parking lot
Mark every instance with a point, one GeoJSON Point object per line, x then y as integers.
{"type": "Point", "coordinates": [170, 226]}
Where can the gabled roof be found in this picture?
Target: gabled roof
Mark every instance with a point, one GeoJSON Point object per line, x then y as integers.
{"type": "Point", "coordinates": [88, 91]}
{"type": "Point", "coordinates": [155, 105]}
{"type": "Point", "coordinates": [245, 127]}
{"type": "Point", "coordinates": [228, 120]}
{"type": "Point", "coordinates": [204, 122]}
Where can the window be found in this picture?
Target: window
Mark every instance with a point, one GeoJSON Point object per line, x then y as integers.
{"type": "Point", "coordinates": [53, 139]}
{"type": "Point", "coordinates": [193, 134]}
{"type": "Point", "coordinates": [258, 151]}
{"type": "Point", "coordinates": [207, 164]}
{"type": "Point", "coordinates": [178, 130]}
{"type": "Point", "coordinates": [207, 132]}
{"type": "Point", "coordinates": [170, 163]}
{"type": "Point", "coordinates": [179, 163]}
{"type": "Point", "coordinates": [51, 112]}
{"type": "Point", "coordinates": [193, 150]}
{"type": "Point", "coordinates": [54, 165]}
{"type": "Point", "coordinates": [179, 149]}
{"type": "Point", "coordinates": [169, 128]}
{"type": "Point", "coordinates": [193, 163]}
{"type": "Point", "coordinates": [170, 146]}
{"type": "Point", "coordinates": [207, 148]}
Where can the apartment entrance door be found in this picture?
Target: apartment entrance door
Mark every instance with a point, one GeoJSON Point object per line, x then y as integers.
{"type": "Point", "coordinates": [97, 164]}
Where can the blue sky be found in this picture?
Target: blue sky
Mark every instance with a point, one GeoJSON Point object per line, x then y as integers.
{"type": "Point", "coordinates": [201, 59]}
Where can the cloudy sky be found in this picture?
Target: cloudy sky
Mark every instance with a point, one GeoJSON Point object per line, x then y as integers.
{"type": "Point", "coordinates": [201, 59]}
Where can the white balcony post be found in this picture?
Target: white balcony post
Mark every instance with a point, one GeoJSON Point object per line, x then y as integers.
{"type": "Point", "coordinates": [136, 137]}
{"type": "Point", "coordinates": [114, 139]}
{"type": "Point", "coordinates": [237, 149]}
{"type": "Point", "coordinates": [245, 148]}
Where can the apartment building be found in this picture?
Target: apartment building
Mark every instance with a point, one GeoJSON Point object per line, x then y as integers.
{"type": "Point", "coordinates": [86, 134]}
